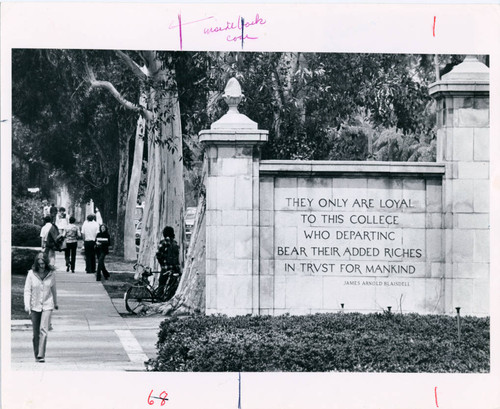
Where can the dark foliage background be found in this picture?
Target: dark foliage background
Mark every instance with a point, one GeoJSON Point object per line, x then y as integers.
{"type": "Point", "coordinates": [26, 235]}
{"type": "Point", "coordinates": [22, 260]}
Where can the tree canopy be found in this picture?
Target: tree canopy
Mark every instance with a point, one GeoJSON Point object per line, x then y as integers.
{"type": "Point", "coordinates": [76, 111]}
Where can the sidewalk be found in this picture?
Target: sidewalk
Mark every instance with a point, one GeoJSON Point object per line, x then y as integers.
{"type": "Point", "coordinates": [89, 333]}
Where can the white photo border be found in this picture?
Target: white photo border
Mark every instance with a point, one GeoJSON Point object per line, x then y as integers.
{"type": "Point", "coordinates": [374, 28]}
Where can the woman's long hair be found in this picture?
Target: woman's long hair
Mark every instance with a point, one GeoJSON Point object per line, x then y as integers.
{"type": "Point", "coordinates": [36, 265]}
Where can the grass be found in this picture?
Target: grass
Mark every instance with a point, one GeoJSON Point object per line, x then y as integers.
{"type": "Point", "coordinates": [118, 264]}
{"type": "Point", "coordinates": [118, 283]}
{"type": "Point", "coordinates": [17, 298]}
{"type": "Point", "coordinates": [121, 276]}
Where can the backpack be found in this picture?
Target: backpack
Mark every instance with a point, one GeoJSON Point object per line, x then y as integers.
{"type": "Point", "coordinates": [54, 239]}
{"type": "Point", "coordinates": [60, 244]}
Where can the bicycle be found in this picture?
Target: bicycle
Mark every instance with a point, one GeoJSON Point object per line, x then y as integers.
{"type": "Point", "coordinates": [144, 293]}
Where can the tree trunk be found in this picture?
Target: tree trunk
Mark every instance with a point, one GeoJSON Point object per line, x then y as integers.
{"type": "Point", "coordinates": [190, 295]}
{"type": "Point", "coordinates": [149, 230]}
{"type": "Point", "coordinates": [123, 146]}
{"type": "Point", "coordinates": [165, 185]}
{"type": "Point", "coordinates": [130, 252]}
{"type": "Point", "coordinates": [172, 197]}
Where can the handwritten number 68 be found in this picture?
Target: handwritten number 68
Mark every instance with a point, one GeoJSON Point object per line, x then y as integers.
{"type": "Point", "coordinates": [162, 397]}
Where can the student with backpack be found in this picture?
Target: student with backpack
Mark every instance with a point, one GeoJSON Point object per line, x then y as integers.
{"type": "Point", "coordinates": [51, 240]}
{"type": "Point", "coordinates": [168, 257]}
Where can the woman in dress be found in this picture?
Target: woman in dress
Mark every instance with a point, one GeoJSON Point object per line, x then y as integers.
{"type": "Point", "coordinates": [102, 243]}
{"type": "Point", "coordinates": [72, 234]}
{"type": "Point", "coordinates": [40, 299]}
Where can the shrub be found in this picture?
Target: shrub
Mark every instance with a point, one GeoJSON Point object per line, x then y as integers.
{"type": "Point", "coordinates": [26, 210]}
{"type": "Point", "coordinates": [350, 143]}
{"type": "Point", "coordinates": [26, 235]}
{"type": "Point", "coordinates": [22, 260]}
{"type": "Point", "coordinates": [323, 342]}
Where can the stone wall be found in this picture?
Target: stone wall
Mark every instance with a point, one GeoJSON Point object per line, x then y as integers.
{"type": "Point", "coordinates": [462, 98]}
{"type": "Point", "coordinates": [350, 235]}
{"type": "Point", "coordinates": [302, 237]}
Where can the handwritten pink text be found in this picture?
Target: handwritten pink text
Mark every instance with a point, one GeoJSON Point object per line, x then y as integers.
{"type": "Point", "coordinates": [236, 25]}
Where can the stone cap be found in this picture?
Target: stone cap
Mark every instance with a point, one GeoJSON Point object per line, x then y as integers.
{"type": "Point", "coordinates": [232, 136]}
{"type": "Point", "coordinates": [352, 168]}
{"type": "Point", "coordinates": [233, 127]}
{"type": "Point", "coordinates": [233, 119]}
{"type": "Point", "coordinates": [471, 77]}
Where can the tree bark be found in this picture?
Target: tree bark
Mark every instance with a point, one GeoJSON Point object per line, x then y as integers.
{"type": "Point", "coordinates": [165, 185]}
{"type": "Point", "coordinates": [190, 295]}
{"type": "Point", "coordinates": [149, 230]}
{"type": "Point", "coordinates": [129, 247]}
{"type": "Point", "coordinates": [123, 147]}
{"type": "Point", "coordinates": [165, 188]}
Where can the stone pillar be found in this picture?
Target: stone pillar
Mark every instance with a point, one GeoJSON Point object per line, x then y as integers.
{"type": "Point", "coordinates": [462, 98]}
{"type": "Point", "coordinates": [232, 209]}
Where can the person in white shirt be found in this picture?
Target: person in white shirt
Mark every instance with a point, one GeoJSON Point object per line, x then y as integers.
{"type": "Point", "coordinates": [40, 299]}
{"type": "Point", "coordinates": [49, 234]}
{"type": "Point", "coordinates": [46, 208]}
{"type": "Point", "coordinates": [98, 217]}
{"type": "Point", "coordinates": [45, 229]}
{"type": "Point", "coordinates": [61, 220]}
{"type": "Point", "coordinates": [90, 228]}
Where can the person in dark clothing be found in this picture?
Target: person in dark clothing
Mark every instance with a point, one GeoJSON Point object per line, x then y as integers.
{"type": "Point", "coordinates": [102, 243]}
{"type": "Point", "coordinates": [89, 232]}
{"type": "Point", "coordinates": [168, 257]}
{"type": "Point", "coordinates": [53, 213]}
{"type": "Point", "coordinates": [72, 234]}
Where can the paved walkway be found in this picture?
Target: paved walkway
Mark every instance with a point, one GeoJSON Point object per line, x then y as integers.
{"type": "Point", "coordinates": [89, 333]}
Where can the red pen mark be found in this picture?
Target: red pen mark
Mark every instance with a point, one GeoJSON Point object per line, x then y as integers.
{"type": "Point", "coordinates": [180, 29]}
{"type": "Point", "coordinates": [434, 27]}
{"type": "Point", "coordinates": [190, 22]}
{"type": "Point", "coordinates": [436, 388]}
{"type": "Point", "coordinates": [162, 397]}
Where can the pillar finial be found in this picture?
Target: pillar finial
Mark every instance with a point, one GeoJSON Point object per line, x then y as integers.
{"type": "Point", "coordinates": [233, 119]}
{"type": "Point", "coordinates": [233, 95]}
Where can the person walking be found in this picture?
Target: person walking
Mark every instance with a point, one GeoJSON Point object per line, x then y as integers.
{"type": "Point", "coordinates": [53, 212]}
{"type": "Point", "coordinates": [103, 241]}
{"type": "Point", "coordinates": [47, 220]}
{"type": "Point", "coordinates": [40, 299]}
{"type": "Point", "coordinates": [50, 240]}
{"type": "Point", "coordinates": [90, 229]}
{"type": "Point", "coordinates": [98, 217]}
{"type": "Point", "coordinates": [61, 220]}
{"type": "Point", "coordinates": [72, 234]}
{"type": "Point", "coordinates": [46, 208]}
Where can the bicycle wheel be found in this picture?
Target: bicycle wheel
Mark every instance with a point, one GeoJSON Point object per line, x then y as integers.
{"type": "Point", "coordinates": [137, 297]}
{"type": "Point", "coordinates": [171, 287]}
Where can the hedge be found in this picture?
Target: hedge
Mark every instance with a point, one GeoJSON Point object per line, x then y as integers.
{"type": "Point", "coordinates": [26, 235]}
{"type": "Point", "coordinates": [323, 342]}
{"type": "Point", "coordinates": [22, 260]}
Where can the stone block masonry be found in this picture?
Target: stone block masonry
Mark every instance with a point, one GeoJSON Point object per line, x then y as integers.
{"type": "Point", "coordinates": [301, 237]}
{"type": "Point", "coordinates": [367, 247]}
{"type": "Point", "coordinates": [462, 97]}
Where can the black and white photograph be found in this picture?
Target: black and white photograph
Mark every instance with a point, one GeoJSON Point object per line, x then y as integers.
{"type": "Point", "coordinates": [250, 219]}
